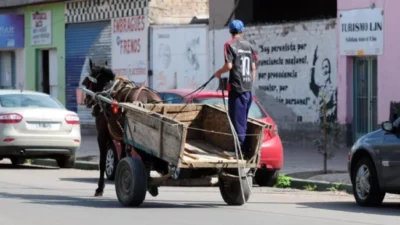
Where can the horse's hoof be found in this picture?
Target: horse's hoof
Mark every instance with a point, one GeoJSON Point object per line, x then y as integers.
{"type": "Point", "coordinates": [153, 190]}
{"type": "Point", "coordinates": [98, 194]}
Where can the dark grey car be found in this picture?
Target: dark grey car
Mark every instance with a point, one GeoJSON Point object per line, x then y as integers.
{"type": "Point", "coordinates": [374, 164]}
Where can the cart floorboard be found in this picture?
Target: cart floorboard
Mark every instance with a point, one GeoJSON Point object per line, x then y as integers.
{"type": "Point", "coordinates": [188, 135]}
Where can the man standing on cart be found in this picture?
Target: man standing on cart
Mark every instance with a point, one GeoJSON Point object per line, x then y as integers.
{"type": "Point", "coordinates": [240, 61]}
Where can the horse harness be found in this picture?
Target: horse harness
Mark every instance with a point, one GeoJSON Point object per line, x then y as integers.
{"type": "Point", "coordinates": [118, 86]}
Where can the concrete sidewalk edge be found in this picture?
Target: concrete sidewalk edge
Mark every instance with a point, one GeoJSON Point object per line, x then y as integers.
{"type": "Point", "coordinates": [81, 165]}
{"type": "Point", "coordinates": [320, 185]}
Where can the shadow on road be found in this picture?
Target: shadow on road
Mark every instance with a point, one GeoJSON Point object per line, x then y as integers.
{"type": "Point", "coordinates": [388, 209]}
{"type": "Point", "coordinates": [93, 180]}
{"type": "Point", "coordinates": [26, 167]}
{"type": "Point", "coordinates": [98, 202]}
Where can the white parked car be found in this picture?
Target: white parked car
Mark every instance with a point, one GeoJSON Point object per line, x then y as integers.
{"type": "Point", "coordinates": [35, 125]}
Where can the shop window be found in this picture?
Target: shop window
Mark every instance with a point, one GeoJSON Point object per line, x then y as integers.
{"type": "Point", "coordinates": [7, 70]}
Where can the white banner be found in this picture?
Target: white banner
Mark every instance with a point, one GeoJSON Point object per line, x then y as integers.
{"type": "Point", "coordinates": [361, 32]}
{"type": "Point", "coordinates": [179, 57]}
{"type": "Point", "coordinates": [41, 28]}
{"type": "Point", "coordinates": [129, 48]}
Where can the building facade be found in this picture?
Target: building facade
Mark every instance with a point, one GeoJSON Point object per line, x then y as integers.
{"type": "Point", "coordinates": [367, 66]}
{"type": "Point", "coordinates": [45, 49]}
{"type": "Point", "coordinates": [117, 32]}
{"type": "Point", "coordinates": [177, 11]}
{"type": "Point", "coordinates": [96, 30]}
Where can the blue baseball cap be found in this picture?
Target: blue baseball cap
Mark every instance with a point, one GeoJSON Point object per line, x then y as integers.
{"type": "Point", "coordinates": [236, 26]}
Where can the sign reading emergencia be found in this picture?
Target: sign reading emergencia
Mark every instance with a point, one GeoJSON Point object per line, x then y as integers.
{"type": "Point", "coordinates": [361, 32]}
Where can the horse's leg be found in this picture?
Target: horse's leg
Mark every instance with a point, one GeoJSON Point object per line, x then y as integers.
{"type": "Point", "coordinates": [102, 139]}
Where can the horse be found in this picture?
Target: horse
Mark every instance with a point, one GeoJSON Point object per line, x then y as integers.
{"type": "Point", "coordinates": [102, 80]}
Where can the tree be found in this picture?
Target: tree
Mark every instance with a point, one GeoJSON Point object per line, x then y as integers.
{"type": "Point", "coordinates": [328, 140]}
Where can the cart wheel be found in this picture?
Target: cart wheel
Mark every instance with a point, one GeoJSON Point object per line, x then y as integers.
{"type": "Point", "coordinates": [231, 191]}
{"type": "Point", "coordinates": [131, 181]}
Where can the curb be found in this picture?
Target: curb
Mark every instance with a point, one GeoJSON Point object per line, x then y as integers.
{"type": "Point", "coordinates": [81, 165]}
{"type": "Point", "coordinates": [320, 185]}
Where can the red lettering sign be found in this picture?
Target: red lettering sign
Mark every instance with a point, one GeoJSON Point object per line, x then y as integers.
{"type": "Point", "coordinates": [39, 16]}
{"type": "Point", "coordinates": [129, 24]}
{"type": "Point", "coordinates": [129, 46]}
{"type": "Point", "coordinates": [130, 72]}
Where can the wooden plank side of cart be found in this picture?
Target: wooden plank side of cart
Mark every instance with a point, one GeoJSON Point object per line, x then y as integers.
{"type": "Point", "coordinates": [187, 135]}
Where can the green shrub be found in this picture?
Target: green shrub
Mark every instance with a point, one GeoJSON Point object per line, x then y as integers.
{"type": "Point", "coordinates": [283, 181]}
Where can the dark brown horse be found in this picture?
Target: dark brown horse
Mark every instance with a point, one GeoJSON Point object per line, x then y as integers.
{"type": "Point", "coordinates": [110, 121]}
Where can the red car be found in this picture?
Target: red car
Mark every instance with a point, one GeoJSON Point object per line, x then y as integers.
{"type": "Point", "coordinates": [271, 160]}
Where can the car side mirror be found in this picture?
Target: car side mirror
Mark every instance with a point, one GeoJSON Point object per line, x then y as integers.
{"type": "Point", "coordinates": [387, 126]}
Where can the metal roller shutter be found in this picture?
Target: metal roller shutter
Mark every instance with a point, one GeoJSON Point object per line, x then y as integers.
{"type": "Point", "coordinates": [84, 41]}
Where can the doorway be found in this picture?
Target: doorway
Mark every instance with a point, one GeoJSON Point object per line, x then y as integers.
{"type": "Point", "coordinates": [365, 95]}
{"type": "Point", "coordinates": [7, 70]}
{"type": "Point", "coordinates": [44, 84]}
{"type": "Point", "coordinates": [48, 71]}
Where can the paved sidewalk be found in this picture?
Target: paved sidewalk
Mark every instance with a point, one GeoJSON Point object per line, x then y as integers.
{"type": "Point", "coordinates": [296, 158]}
{"type": "Point", "coordinates": [307, 158]}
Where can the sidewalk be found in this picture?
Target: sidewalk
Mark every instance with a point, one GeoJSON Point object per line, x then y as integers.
{"type": "Point", "coordinates": [296, 159]}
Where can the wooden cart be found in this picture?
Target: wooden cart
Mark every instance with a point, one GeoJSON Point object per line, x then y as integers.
{"type": "Point", "coordinates": [184, 141]}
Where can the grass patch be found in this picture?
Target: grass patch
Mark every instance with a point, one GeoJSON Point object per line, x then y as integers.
{"type": "Point", "coordinates": [309, 187]}
{"type": "Point", "coordinates": [283, 181]}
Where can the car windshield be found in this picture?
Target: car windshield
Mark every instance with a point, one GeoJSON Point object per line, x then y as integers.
{"type": "Point", "coordinates": [28, 101]}
{"type": "Point", "coordinates": [254, 112]}
{"type": "Point", "coordinates": [171, 98]}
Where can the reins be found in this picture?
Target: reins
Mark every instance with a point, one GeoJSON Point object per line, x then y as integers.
{"type": "Point", "coordinates": [133, 92]}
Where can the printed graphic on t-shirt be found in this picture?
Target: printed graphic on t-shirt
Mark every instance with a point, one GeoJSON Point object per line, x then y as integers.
{"type": "Point", "coordinates": [245, 64]}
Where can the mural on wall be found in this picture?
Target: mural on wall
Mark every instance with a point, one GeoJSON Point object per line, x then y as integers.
{"type": "Point", "coordinates": [191, 51]}
{"type": "Point", "coordinates": [179, 57]}
{"type": "Point", "coordinates": [297, 67]}
{"type": "Point", "coordinates": [322, 87]}
{"type": "Point", "coordinates": [94, 44]}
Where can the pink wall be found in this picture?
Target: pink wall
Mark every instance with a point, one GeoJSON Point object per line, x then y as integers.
{"type": "Point", "coordinates": [388, 63]}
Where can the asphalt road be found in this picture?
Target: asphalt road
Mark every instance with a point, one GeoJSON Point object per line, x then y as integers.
{"type": "Point", "coordinates": [42, 196]}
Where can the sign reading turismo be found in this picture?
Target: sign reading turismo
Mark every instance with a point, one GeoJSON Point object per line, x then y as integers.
{"type": "Point", "coordinates": [11, 31]}
{"type": "Point", "coordinates": [361, 32]}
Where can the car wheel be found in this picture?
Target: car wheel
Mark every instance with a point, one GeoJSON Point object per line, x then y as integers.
{"type": "Point", "coordinates": [266, 177]}
{"type": "Point", "coordinates": [66, 161]}
{"type": "Point", "coordinates": [111, 161]}
{"type": "Point", "coordinates": [17, 161]}
{"type": "Point", "coordinates": [366, 188]}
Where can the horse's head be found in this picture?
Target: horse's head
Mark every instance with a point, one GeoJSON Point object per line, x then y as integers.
{"type": "Point", "coordinates": [98, 79]}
